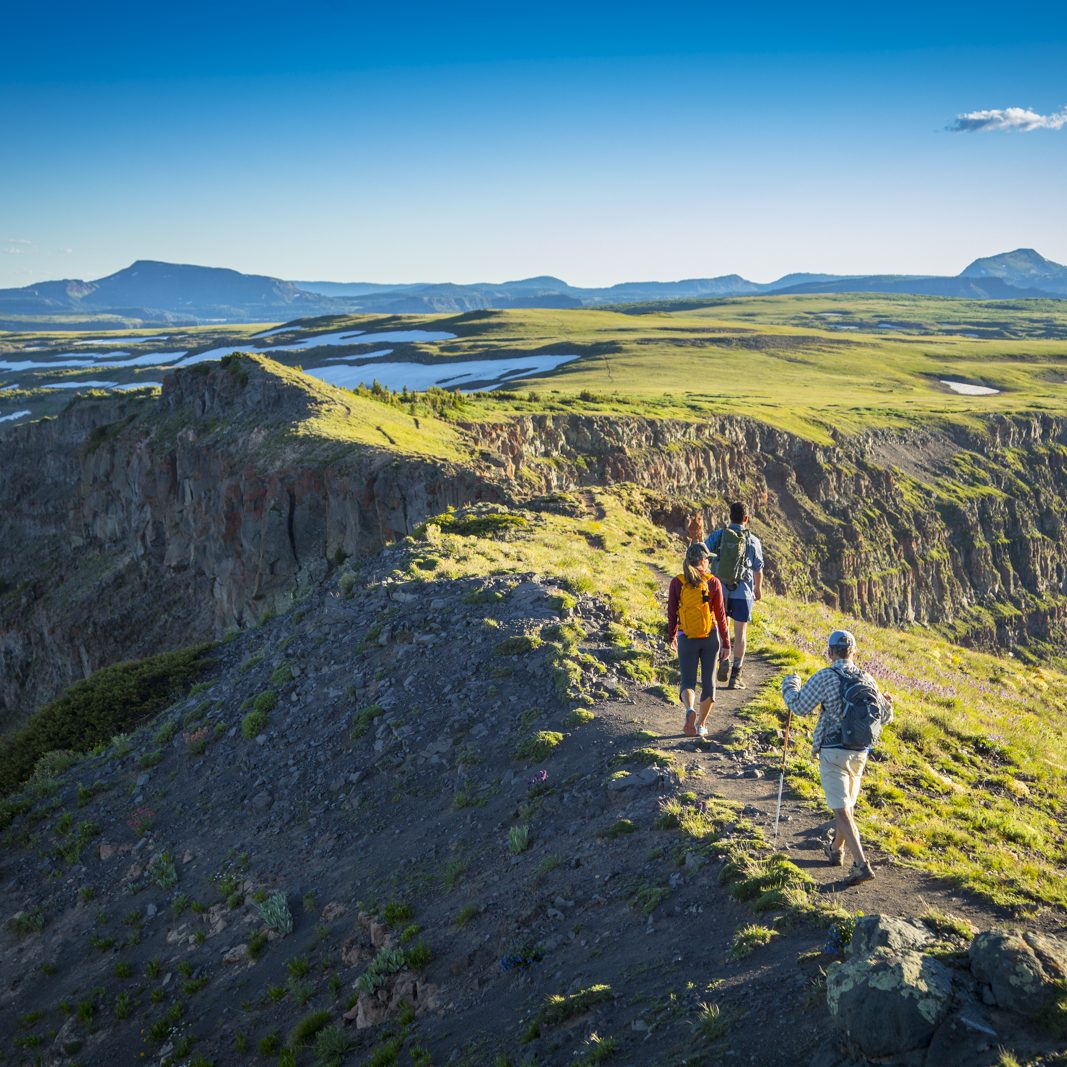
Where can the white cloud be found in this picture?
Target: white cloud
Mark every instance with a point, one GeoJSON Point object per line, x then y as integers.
{"type": "Point", "coordinates": [12, 251]}
{"type": "Point", "coordinates": [18, 241]}
{"type": "Point", "coordinates": [1008, 118]}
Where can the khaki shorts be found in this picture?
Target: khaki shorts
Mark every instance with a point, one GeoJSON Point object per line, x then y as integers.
{"type": "Point", "coordinates": [840, 771]}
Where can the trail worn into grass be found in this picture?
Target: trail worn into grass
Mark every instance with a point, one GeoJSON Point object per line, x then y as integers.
{"type": "Point", "coordinates": [751, 779]}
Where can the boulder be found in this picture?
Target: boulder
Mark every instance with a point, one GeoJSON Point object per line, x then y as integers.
{"type": "Point", "coordinates": [887, 931]}
{"type": "Point", "coordinates": [1024, 972]}
{"type": "Point", "coordinates": [889, 1002]}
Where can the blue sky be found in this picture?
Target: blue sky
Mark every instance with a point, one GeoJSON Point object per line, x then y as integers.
{"type": "Point", "coordinates": [473, 141]}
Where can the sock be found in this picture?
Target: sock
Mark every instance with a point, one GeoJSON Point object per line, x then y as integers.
{"type": "Point", "coordinates": [737, 664]}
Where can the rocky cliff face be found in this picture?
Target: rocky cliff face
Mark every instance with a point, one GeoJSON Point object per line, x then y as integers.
{"type": "Point", "coordinates": [135, 525]}
{"type": "Point", "coordinates": [964, 527]}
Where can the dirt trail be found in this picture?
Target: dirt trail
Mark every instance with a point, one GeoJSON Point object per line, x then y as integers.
{"type": "Point", "coordinates": [897, 890]}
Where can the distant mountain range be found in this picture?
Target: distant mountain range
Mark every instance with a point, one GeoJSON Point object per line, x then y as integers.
{"type": "Point", "coordinates": [153, 293]}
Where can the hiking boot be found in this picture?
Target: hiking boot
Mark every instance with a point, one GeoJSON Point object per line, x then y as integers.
{"type": "Point", "coordinates": [724, 670]}
{"type": "Point", "coordinates": [736, 682]}
{"type": "Point", "coordinates": [690, 728]}
{"type": "Point", "coordinates": [859, 872]}
{"type": "Point", "coordinates": [702, 731]}
{"type": "Point", "coordinates": [836, 856]}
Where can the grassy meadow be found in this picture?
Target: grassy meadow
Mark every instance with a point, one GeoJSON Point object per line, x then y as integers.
{"type": "Point", "coordinates": [969, 782]}
{"type": "Point", "coordinates": [812, 365]}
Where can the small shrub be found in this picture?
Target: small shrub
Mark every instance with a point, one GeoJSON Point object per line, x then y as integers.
{"type": "Point", "coordinates": [649, 897]}
{"type": "Point", "coordinates": [256, 943]}
{"type": "Point", "coordinates": [418, 956]}
{"type": "Point", "coordinates": [27, 922]}
{"type": "Point", "coordinates": [282, 675]}
{"type": "Point", "coordinates": [166, 733]}
{"type": "Point", "coordinates": [579, 717]}
{"type": "Point", "coordinates": [253, 724]}
{"type": "Point", "coordinates": [305, 1030]}
{"type": "Point", "coordinates": [394, 913]}
{"type": "Point", "coordinates": [298, 967]}
{"type": "Point", "coordinates": [518, 839]}
{"type": "Point", "coordinates": [518, 646]}
{"type": "Point", "coordinates": [265, 702]}
{"type": "Point", "coordinates": [150, 759]}
{"type": "Point", "coordinates": [538, 746]}
{"type": "Point", "coordinates": [274, 911]}
{"type": "Point", "coordinates": [362, 720]}
{"type": "Point", "coordinates": [269, 1044]}
{"type": "Point", "coordinates": [332, 1044]}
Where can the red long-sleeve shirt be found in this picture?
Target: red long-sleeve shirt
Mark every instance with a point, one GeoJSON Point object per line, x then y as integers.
{"type": "Point", "coordinates": [715, 600]}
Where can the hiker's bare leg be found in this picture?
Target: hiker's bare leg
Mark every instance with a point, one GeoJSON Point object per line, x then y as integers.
{"type": "Point", "coordinates": [705, 708]}
{"type": "Point", "coordinates": [846, 835]}
{"type": "Point", "coordinates": [688, 697]}
{"type": "Point", "coordinates": [739, 642]}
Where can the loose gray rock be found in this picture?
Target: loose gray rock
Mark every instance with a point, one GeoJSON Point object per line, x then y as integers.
{"type": "Point", "coordinates": [1023, 972]}
{"type": "Point", "coordinates": [889, 1002]}
{"type": "Point", "coordinates": [898, 934]}
{"type": "Point", "coordinates": [635, 780]}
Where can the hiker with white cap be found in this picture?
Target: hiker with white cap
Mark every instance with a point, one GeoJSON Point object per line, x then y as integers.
{"type": "Point", "coordinates": [852, 716]}
{"type": "Point", "coordinates": [696, 629]}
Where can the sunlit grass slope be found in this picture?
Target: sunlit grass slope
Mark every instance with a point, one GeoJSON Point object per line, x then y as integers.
{"type": "Point", "coordinates": [809, 364]}
{"type": "Point", "coordinates": [969, 782]}
{"type": "Point", "coordinates": [318, 415]}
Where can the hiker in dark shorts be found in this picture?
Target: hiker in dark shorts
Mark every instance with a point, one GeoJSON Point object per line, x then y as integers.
{"type": "Point", "coordinates": [840, 768]}
{"type": "Point", "coordinates": [743, 583]}
{"type": "Point", "coordinates": [697, 630]}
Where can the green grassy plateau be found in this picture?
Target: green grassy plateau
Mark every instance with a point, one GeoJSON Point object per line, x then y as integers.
{"type": "Point", "coordinates": [808, 364]}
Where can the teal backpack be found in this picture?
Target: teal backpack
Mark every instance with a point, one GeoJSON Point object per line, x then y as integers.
{"type": "Point", "coordinates": [730, 565]}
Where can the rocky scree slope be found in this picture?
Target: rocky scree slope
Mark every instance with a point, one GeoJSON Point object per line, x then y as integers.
{"type": "Point", "coordinates": [451, 839]}
{"type": "Point", "coordinates": [384, 828]}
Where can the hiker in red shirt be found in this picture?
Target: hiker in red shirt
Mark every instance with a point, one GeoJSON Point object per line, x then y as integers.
{"type": "Point", "coordinates": [697, 630]}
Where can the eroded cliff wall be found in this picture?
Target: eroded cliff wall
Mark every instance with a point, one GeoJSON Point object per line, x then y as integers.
{"type": "Point", "coordinates": [960, 526]}
{"type": "Point", "coordinates": [134, 525]}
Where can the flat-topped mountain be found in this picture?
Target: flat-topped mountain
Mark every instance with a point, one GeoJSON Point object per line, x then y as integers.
{"type": "Point", "coordinates": [151, 292]}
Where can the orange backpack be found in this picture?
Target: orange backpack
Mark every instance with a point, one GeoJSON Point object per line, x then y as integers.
{"type": "Point", "coordinates": [694, 609]}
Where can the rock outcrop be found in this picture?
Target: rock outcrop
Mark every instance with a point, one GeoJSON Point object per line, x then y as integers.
{"type": "Point", "coordinates": [134, 525]}
{"type": "Point", "coordinates": [896, 1002]}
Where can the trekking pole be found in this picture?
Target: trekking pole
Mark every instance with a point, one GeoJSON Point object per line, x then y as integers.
{"type": "Point", "coordinates": [781, 777]}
